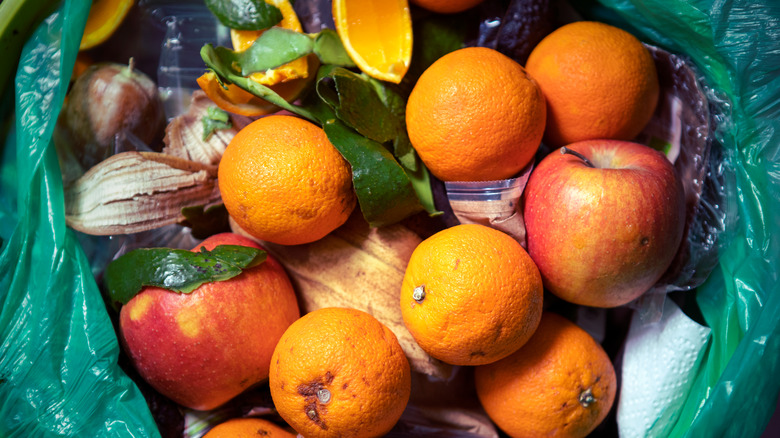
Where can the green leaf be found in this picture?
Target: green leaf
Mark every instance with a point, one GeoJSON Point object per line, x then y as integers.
{"type": "Point", "coordinates": [329, 48]}
{"type": "Point", "coordinates": [177, 270]}
{"type": "Point", "coordinates": [215, 119]}
{"type": "Point", "coordinates": [357, 104]}
{"type": "Point", "coordinates": [206, 222]}
{"type": "Point", "coordinates": [245, 14]}
{"type": "Point", "coordinates": [276, 46]}
{"type": "Point", "coordinates": [384, 191]}
{"type": "Point", "coordinates": [376, 111]}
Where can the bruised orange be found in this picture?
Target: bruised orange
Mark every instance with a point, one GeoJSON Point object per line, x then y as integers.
{"type": "Point", "coordinates": [282, 181]}
{"type": "Point", "coordinates": [599, 82]}
{"type": "Point", "coordinates": [248, 428]}
{"type": "Point", "coordinates": [559, 384]}
{"type": "Point", "coordinates": [339, 372]}
{"type": "Point", "coordinates": [471, 295]}
{"type": "Point", "coordinates": [475, 115]}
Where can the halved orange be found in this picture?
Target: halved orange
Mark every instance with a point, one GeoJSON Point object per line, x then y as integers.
{"type": "Point", "coordinates": [377, 34]}
{"type": "Point", "coordinates": [238, 101]}
{"type": "Point", "coordinates": [243, 39]}
{"type": "Point", "coordinates": [104, 18]}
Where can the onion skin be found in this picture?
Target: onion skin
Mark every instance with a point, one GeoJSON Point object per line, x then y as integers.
{"type": "Point", "coordinates": [106, 100]}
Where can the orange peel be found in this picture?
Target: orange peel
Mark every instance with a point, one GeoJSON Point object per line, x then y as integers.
{"type": "Point", "coordinates": [103, 20]}
{"type": "Point", "coordinates": [236, 100]}
{"type": "Point", "coordinates": [377, 34]}
{"type": "Point", "coordinates": [243, 39]}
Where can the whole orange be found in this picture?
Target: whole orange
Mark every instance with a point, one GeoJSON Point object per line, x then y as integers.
{"type": "Point", "coordinates": [248, 428]}
{"type": "Point", "coordinates": [599, 82]}
{"type": "Point", "coordinates": [559, 384]}
{"type": "Point", "coordinates": [475, 115]}
{"type": "Point", "coordinates": [446, 6]}
{"type": "Point", "coordinates": [339, 372]}
{"type": "Point", "coordinates": [283, 181]}
{"type": "Point", "coordinates": [203, 348]}
{"type": "Point", "coordinates": [471, 295]}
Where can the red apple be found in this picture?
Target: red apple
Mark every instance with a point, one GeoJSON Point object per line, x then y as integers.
{"type": "Point", "coordinates": [604, 226]}
{"type": "Point", "coordinates": [204, 348]}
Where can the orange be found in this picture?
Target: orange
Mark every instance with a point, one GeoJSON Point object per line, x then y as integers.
{"type": "Point", "coordinates": [284, 182]}
{"type": "Point", "coordinates": [377, 35]}
{"type": "Point", "coordinates": [339, 372]}
{"type": "Point", "coordinates": [447, 6]}
{"type": "Point", "coordinates": [560, 384]}
{"type": "Point", "coordinates": [243, 39]}
{"type": "Point", "coordinates": [103, 20]}
{"type": "Point", "coordinates": [248, 428]}
{"type": "Point", "coordinates": [475, 115]}
{"type": "Point", "coordinates": [599, 82]}
{"type": "Point", "coordinates": [471, 295]}
{"type": "Point", "coordinates": [203, 348]}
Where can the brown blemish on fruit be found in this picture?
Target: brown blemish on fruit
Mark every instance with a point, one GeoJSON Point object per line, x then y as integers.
{"type": "Point", "coordinates": [313, 407]}
{"type": "Point", "coordinates": [261, 432]}
{"type": "Point", "coordinates": [478, 353]}
{"type": "Point", "coordinates": [644, 241]}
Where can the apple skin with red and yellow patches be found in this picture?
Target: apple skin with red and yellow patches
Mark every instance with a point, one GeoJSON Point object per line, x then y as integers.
{"type": "Point", "coordinates": [204, 348]}
{"type": "Point", "coordinates": [603, 235]}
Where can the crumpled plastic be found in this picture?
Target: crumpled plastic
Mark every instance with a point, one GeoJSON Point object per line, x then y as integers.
{"type": "Point", "coordinates": [735, 45]}
{"type": "Point", "coordinates": [58, 349]}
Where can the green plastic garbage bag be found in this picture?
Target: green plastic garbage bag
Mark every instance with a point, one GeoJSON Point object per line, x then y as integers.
{"type": "Point", "coordinates": [736, 45]}
{"type": "Point", "coordinates": [58, 350]}
{"type": "Point", "coordinates": [58, 372]}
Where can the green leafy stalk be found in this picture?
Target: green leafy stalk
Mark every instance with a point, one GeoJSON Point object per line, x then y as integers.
{"type": "Point", "coordinates": [377, 112]}
{"type": "Point", "coordinates": [177, 270]}
{"type": "Point", "coordinates": [276, 46]}
{"type": "Point", "coordinates": [226, 74]}
{"type": "Point", "coordinates": [245, 14]}
{"type": "Point", "coordinates": [383, 189]}
{"type": "Point", "coordinates": [363, 118]}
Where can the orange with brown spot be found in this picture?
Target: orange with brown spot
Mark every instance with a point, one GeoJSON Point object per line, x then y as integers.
{"type": "Point", "coordinates": [204, 348]}
{"type": "Point", "coordinates": [560, 384]}
{"type": "Point", "coordinates": [339, 372]}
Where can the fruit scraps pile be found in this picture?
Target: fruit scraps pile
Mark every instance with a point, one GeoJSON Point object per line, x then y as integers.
{"type": "Point", "coordinates": [376, 218]}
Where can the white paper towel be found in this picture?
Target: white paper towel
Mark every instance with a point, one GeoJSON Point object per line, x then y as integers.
{"type": "Point", "coordinates": [659, 364]}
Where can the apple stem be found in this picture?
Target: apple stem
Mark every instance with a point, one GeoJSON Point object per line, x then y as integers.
{"type": "Point", "coordinates": [131, 65]}
{"type": "Point", "coordinates": [565, 150]}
